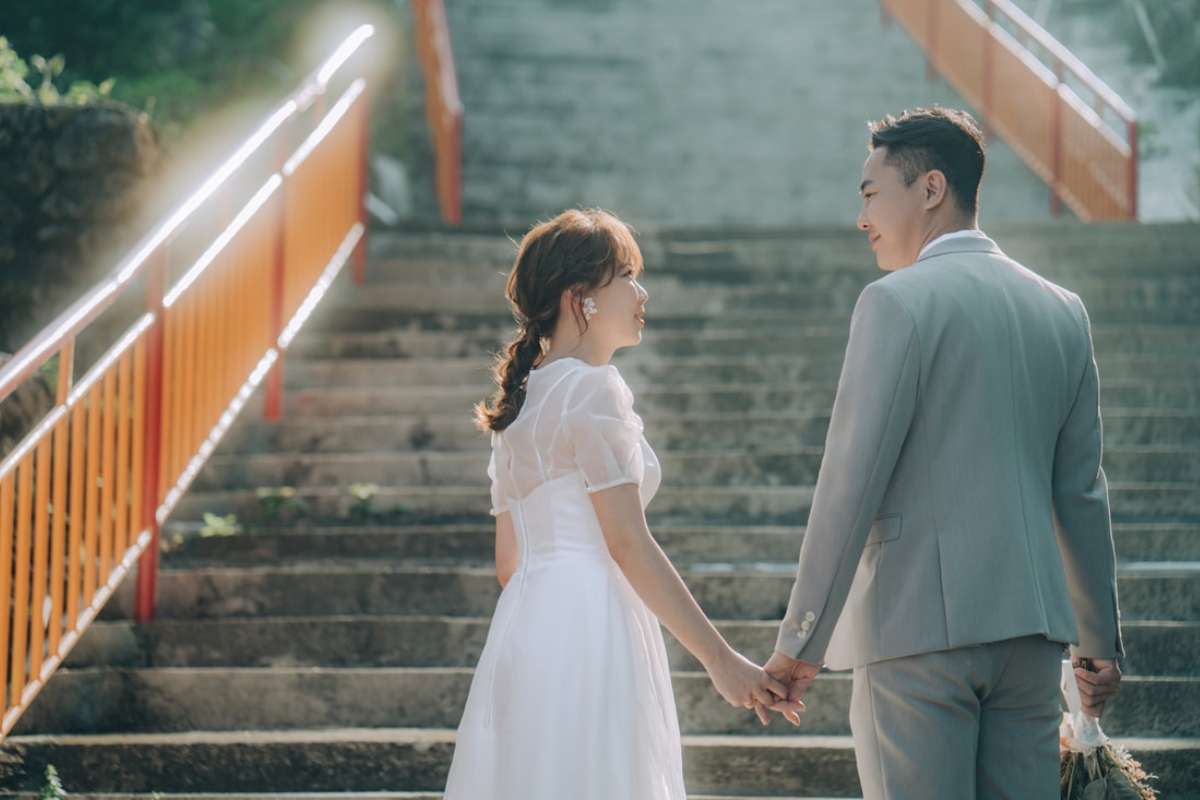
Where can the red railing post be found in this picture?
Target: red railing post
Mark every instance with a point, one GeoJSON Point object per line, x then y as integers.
{"type": "Point", "coordinates": [147, 576]}
{"type": "Point", "coordinates": [1057, 133]}
{"type": "Point", "coordinates": [364, 186]}
{"type": "Point", "coordinates": [1133, 170]}
{"type": "Point", "coordinates": [931, 43]}
{"type": "Point", "coordinates": [273, 397]}
{"type": "Point", "coordinates": [988, 69]}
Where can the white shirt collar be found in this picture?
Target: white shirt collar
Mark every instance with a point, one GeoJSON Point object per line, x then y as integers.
{"type": "Point", "coordinates": [963, 234]}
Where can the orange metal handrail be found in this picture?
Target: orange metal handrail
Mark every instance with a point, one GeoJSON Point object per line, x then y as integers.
{"type": "Point", "coordinates": [443, 108]}
{"type": "Point", "coordinates": [1024, 85]}
{"type": "Point", "coordinates": [84, 493]}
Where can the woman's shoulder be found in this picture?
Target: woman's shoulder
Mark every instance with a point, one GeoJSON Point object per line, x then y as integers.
{"type": "Point", "coordinates": [591, 379]}
{"type": "Point", "coordinates": [600, 391]}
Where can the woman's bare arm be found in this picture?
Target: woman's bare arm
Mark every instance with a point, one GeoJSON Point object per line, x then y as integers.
{"type": "Point", "coordinates": [656, 581]}
{"type": "Point", "coordinates": [507, 558]}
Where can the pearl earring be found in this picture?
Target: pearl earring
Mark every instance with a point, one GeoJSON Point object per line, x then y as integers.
{"type": "Point", "coordinates": [589, 308]}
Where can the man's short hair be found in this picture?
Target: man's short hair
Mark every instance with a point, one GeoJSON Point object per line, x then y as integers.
{"type": "Point", "coordinates": [925, 139]}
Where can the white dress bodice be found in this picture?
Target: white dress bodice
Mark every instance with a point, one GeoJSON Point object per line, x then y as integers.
{"type": "Point", "coordinates": [576, 434]}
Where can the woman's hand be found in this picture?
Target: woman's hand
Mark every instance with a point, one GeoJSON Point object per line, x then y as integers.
{"type": "Point", "coordinates": [744, 684]}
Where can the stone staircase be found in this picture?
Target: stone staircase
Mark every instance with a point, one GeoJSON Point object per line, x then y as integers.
{"type": "Point", "coordinates": [330, 657]}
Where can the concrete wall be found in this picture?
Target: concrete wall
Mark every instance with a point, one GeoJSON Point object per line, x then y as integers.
{"type": "Point", "coordinates": [689, 111]}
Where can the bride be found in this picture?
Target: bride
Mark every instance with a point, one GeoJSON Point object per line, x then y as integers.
{"type": "Point", "coordinates": [572, 695]}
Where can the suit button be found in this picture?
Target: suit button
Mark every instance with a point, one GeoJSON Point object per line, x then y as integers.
{"type": "Point", "coordinates": [810, 616]}
{"type": "Point", "coordinates": [801, 634]}
{"type": "Point", "coordinates": [806, 625]}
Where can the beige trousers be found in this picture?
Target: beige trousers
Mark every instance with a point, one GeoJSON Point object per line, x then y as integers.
{"type": "Point", "coordinates": [976, 723]}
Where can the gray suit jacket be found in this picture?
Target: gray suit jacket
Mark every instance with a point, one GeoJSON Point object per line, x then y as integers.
{"type": "Point", "coordinates": [960, 499]}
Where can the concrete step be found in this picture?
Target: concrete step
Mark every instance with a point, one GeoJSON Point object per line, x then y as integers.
{"type": "Point", "coordinates": [762, 465]}
{"type": "Point", "coordinates": [1160, 649]}
{"type": "Point", "coordinates": [375, 760]}
{"type": "Point", "coordinates": [1179, 394]}
{"type": "Point", "coordinates": [332, 796]}
{"type": "Point", "coordinates": [1178, 340]}
{"type": "Point", "coordinates": [718, 262]}
{"type": "Point", "coordinates": [230, 699]}
{"type": "Point", "coordinates": [449, 544]}
{"type": "Point", "coordinates": [1055, 250]}
{"type": "Point", "coordinates": [416, 761]}
{"type": "Point", "coordinates": [176, 700]}
{"type": "Point", "coordinates": [455, 430]}
{"type": "Point", "coordinates": [327, 403]}
{"type": "Point", "coordinates": [751, 505]}
{"type": "Point", "coordinates": [1174, 299]}
{"type": "Point", "coordinates": [757, 369]}
{"type": "Point", "coordinates": [1168, 591]}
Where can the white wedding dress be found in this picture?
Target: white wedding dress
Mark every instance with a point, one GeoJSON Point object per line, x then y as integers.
{"type": "Point", "coordinates": [572, 698]}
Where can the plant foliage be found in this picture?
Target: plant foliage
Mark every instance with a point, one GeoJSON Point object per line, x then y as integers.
{"type": "Point", "coordinates": [14, 88]}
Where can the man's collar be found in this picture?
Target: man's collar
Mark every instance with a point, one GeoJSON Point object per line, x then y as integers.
{"type": "Point", "coordinates": [966, 233]}
{"type": "Point", "coordinates": [962, 241]}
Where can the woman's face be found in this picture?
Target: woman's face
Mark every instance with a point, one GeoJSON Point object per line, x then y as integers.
{"type": "Point", "coordinates": [620, 310]}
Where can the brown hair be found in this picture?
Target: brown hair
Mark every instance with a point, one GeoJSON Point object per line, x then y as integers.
{"type": "Point", "coordinates": [944, 139]}
{"type": "Point", "coordinates": [580, 249]}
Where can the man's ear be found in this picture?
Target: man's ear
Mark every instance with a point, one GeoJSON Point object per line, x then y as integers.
{"type": "Point", "coordinates": [935, 188]}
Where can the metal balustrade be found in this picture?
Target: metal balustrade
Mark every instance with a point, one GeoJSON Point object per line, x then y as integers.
{"type": "Point", "coordinates": [84, 493]}
{"type": "Point", "coordinates": [1026, 87]}
{"type": "Point", "coordinates": [443, 108]}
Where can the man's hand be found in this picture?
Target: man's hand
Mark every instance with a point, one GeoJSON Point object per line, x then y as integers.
{"type": "Point", "coordinates": [1097, 685]}
{"type": "Point", "coordinates": [796, 675]}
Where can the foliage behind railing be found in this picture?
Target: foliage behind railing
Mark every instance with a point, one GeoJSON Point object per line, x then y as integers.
{"type": "Point", "coordinates": [1026, 87]}
{"type": "Point", "coordinates": [83, 495]}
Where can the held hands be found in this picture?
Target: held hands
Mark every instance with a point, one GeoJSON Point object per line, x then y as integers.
{"type": "Point", "coordinates": [797, 675]}
{"type": "Point", "coordinates": [743, 683]}
{"type": "Point", "coordinates": [1099, 680]}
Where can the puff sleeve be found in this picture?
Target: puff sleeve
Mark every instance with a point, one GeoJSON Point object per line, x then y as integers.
{"type": "Point", "coordinates": [499, 502]}
{"type": "Point", "coordinates": [604, 430]}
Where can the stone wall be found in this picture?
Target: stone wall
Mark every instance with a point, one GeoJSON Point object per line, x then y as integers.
{"type": "Point", "coordinates": [71, 182]}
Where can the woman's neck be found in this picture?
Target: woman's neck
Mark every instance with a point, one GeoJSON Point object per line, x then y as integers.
{"type": "Point", "coordinates": [576, 345]}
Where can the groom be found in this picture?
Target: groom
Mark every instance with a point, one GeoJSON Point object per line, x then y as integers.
{"type": "Point", "coordinates": [959, 533]}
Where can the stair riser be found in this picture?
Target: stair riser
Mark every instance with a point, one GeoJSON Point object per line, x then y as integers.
{"type": "Point", "coordinates": [759, 770]}
{"type": "Point", "coordinates": [1170, 299]}
{"type": "Point", "coordinates": [1057, 252]}
{"type": "Point", "coordinates": [749, 505]}
{"type": "Point", "coordinates": [1109, 340]}
{"type": "Point", "coordinates": [757, 505]}
{"type": "Point", "coordinates": [731, 544]}
{"type": "Point", "coordinates": [775, 370]}
{"type": "Point", "coordinates": [1160, 649]}
{"type": "Point", "coordinates": [679, 469]}
{"type": "Point", "coordinates": [470, 469]}
{"type": "Point", "coordinates": [700, 397]}
{"type": "Point", "coordinates": [752, 261]}
{"type": "Point", "coordinates": [144, 701]}
{"type": "Point", "coordinates": [372, 766]}
{"type": "Point", "coordinates": [380, 329]}
{"type": "Point", "coordinates": [667, 431]}
{"type": "Point", "coordinates": [304, 592]}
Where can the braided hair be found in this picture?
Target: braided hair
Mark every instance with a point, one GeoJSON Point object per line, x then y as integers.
{"type": "Point", "coordinates": [579, 250]}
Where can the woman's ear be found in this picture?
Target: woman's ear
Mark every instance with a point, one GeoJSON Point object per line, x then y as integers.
{"type": "Point", "coordinates": [571, 304]}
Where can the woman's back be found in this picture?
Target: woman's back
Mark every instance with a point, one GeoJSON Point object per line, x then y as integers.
{"type": "Point", "coordinates": [576, 420]}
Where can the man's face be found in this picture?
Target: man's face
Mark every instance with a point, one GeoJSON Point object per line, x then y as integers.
{"type": "Point", "coordinates": [892, 213]}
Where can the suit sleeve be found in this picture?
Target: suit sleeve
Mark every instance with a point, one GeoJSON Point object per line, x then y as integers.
{"type": "Point", "coordinates": [872, 413]}
{"type": "Point", "coordinates": [1082, 521]}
